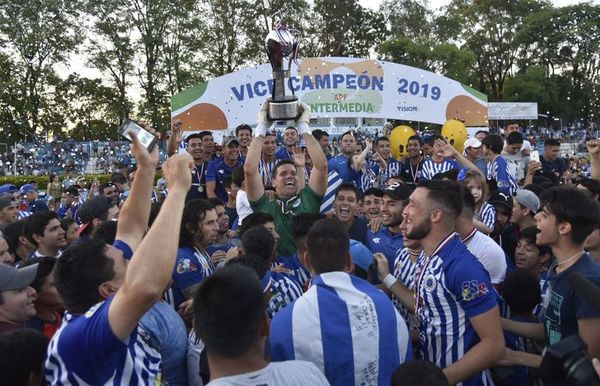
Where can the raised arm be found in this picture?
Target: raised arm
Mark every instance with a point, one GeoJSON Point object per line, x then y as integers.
{"type": "Point", "coordinates": [318, 176]}
{"type": "Point", "coordinates": [175, 138]}
{"type": "Point", "coordinates": [254, 185]}
{"type": "Point", "coordinates": [133, 219]}
{"type": "Point", "coordinates": [594, 149]}
{"type": "Point", "coordinates": [151, 266]}
{"type": "Point", "coordinates": [402, 293]}
{"type": "Point", "coordinates": [362, 157]}
{"type": "Point", "coordinates": [450, 151]}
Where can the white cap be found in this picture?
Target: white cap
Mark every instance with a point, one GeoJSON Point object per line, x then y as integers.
{"type": "Point", "coordinates": [472, 142]}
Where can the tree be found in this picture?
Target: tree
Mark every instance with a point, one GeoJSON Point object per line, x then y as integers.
{"type": "Point", "coordinates": [42, 33]}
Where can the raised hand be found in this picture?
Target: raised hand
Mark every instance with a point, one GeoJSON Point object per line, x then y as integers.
{"type": "Point", "coordinates": [178, 171]}
{"type": "Point", "coordinates": [298, 156]}
{"type": "Point", "coordinates": [142, 157]}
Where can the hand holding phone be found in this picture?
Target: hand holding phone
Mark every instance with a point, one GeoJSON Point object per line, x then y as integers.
{"type": "Point", "coordinates": [148, 139]}
{"type": "Point", "coordinates": [534, 156]}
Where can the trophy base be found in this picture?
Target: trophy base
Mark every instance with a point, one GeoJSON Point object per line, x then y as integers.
{"type": "Point", "coordinates": [284, 110]}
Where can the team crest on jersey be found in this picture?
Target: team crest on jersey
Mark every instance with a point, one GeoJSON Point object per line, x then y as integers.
{"type": "Point", "coordinates": [186, 265]}
{"type": "Point", "coordinates": [92, 310]}
{"type": "Point", "coordinates": [429, 283]}
{"type": "Point", "coordinates": [472, 290]}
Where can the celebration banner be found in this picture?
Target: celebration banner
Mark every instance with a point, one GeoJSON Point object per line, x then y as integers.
{"type": "Point", "coordinates": [332, 87]}
{"type": "Point", "coordinates": [513, 110]}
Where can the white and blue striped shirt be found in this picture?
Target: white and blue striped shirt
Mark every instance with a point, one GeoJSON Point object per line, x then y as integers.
{"type": "Point", "coordinates": [265, 169]}
{"type": "Point", "coordinates": [430, 168]}
{"type": "Point", "coordinates": [499, 171]}
{"type": "Point", "coordinates": [85, 351]}
{"type": "Point", "coordinates": [333, 182]}
{"type": "Point", "coordinates": [349, 329]}
{"type": "Point", "coordinates": [487, 215]}
{"type": "Point", "coordinates": [404, 271]}
{"type": "Point", "coordinates": [451, 286]}
{"type": "Point", "coordinates": [284, 290]}
{"type": "Point", "coordinates": [393, 168]}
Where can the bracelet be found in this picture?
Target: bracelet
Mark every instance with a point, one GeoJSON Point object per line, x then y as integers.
{"type": "Point", "coordinates": [389, 280]}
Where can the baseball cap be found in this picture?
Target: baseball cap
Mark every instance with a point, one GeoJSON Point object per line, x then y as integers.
{"type": "Point", "coordinates": [499, 198]}
{"type": "Point", "coordinates": [73, 191]}
{"type": "Point", "coordinates": [528, 199]}
{"type": "Point", "coordinates": [12, 278]}
{"type": "Point", "coordinates": [361, 255]}
{"type": "Point", "coordinates": [230, 141]}
{"type": "Point", "coordinates": [6, 199]}
{"type": "Point", "coordinates": [472, 142]}
{"type": "Point", "coordinates": [27, 188]}
{"type": "Point", "coordinates": [398, 191]}
{"type": "Point", "coordinates": [79, 179]}
{"type": "Point", "coordinates": [8, 188]}
{"type": "Point", "coordinates": [93, 208]}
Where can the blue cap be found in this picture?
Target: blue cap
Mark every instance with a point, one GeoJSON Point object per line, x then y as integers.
{"type": "Point", "coordinates": [8, 188]}
{"type": "Point", "coordinates": [361, 255]}
{"type": "Point", "coordinates": [27, 188]}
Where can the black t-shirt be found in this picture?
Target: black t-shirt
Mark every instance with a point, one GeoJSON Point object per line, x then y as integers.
{"type": "Point", "coordinates": [198, 188]}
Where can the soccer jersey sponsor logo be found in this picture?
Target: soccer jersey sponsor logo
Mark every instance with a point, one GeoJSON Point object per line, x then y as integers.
{"type": "Point", "coordinates": [472, 290]}
{"type": "Point", "coordinates": [186, 265]}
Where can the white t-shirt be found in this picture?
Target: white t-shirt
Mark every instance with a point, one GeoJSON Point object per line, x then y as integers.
{"type": "Point", "coordinates": [490, 254]}
{"type": "Point", "coordinates": [288, 373]}
{"type": "Point", "coordinates": [242, 206]}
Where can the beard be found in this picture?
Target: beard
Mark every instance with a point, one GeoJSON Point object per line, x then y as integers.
{"type": "Point", "coordinates": [395, 221]}
{"type": "Point", "coordinates": [420, 231]}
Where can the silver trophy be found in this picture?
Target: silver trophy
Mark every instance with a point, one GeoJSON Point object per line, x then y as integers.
{"type": "Point", "coordinates": [281, 43]}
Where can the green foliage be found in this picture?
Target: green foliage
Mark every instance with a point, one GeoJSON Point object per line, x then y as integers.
{"type": "Point", "coordinates": [44, 180]}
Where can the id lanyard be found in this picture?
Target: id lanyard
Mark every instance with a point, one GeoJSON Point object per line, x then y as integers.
{"type": "Point", "coordinates": [414, 174]}
{"type": "Point", "coordinates": [199, 177]}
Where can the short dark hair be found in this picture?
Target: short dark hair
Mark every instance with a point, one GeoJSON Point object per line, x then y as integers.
{"type": "Point", "coordinates": [590, 184]}
{"type": "Point", "coordinates": [415, 138]}
{"type": "Point", "coordinates": [328, 246]}
{"type": "Point", "coordinates": [434, 137]}
{"type": "Point", "coordinates": [105, 185]}
{"type": "Point", "coordinates": [494, 143]}
{"type": "Point", "coordinates": [193, 136]}
{"type": "Point", "coordinates": [36, 223]}
{"type": "Point", "coordinates": [349, 132]}
{"type": "Point", "coordinates": [419, 373]}
{"type": "Point", "coordinates": [521, 290]}
{"type": "Point", "coordinates": [227, 181]}
{"type": "Point", "coordinates": [214, 202]}
{"type": "Point", "coordinates": [225, 298]}
{"type": "Point", "coordinates": [529, 234]}
{"type": "Point", "coordinates": [65, 223]}
{"type": "Point", "coordinates": [468, 202]}
{"type": "Point", "coordinates": [243, 126]}
{"type": "Point", "coordinates": [551, 142]}
{"type": "Point", "coordinates": [302, 223]}
{"type": "Point", "coordinates": [106, 232]}
{"type": "Point", "coordinates": [45, 267]}
{"type": "Point", "coordinates": [203, 134]}
{"type": "Point", "coordinates": [318, 134]}
{"type": "Point", "coordinates": [381, 139]}
{"type": "Point", "coordinates": [79, 272]}
{"type": "Point", "coordinates": [281, 163]}
{"type": "Point", "coordinates": [118, 178]}
{"type": "Point", "coordinates": [447, 194]}
{"type": "Point", "coordinates": [535, 188]}
{"type": "Point", "coordinates": [22, 353]}
{"type": "Point", "coordinates": [514, 138]}
{"type": "Point", "coordinates": [348, 187]}
{"type": "Point", "coordinates": [237, 176]}
{"type": "Point", "coordinates": [253, 219]}
{"type": "Point", "coordinates": [193, 214]}
{"type": "Point", "coordinates": [486, 133]}
{"type": "Point", "coordinates": [255, 262]}
{"type": "Point", "coordinates": [258, 241]}
{"type": "Point", "coordinates": [451, 174]}
{"type": "Point", "coordinates": [12, 232]}
{"type": "Point", "coordinates": [373, 192]}
{"type": "Point", "coordinates": [572, 205]}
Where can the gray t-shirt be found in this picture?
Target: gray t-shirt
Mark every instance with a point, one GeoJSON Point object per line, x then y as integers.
{"type": "Point", "coordinates": [517, 164]}
{"type": "Point", "coordinates": [288, 373]}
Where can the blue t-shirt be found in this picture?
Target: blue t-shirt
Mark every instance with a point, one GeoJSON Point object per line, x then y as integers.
{"type": "Point", "coordinates": [283, 153]}
{"type": "Point", "coordinates": [167, 331]}
{"type": "Point", "coordinates": [386, 242]}
{"type": "Point", "coordinates": [340, 165]}
{"type": "Point", "coordinates": [301, 274]}
{"type": "Point", "coordinates": [217, 171]}
{"type": "Point", "coordinates": [192, 266]}
{"type": "Point", "coordinates": [556, 167]}
{"type": "Point", "coordinates": [565, 305]}
{"type": "Point", "coordinates": [85, 350]}
{"type": "Point", "coordinates": [451, 287]}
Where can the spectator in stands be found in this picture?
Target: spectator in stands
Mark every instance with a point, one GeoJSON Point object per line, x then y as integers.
{"type": "Point", "coordinates": [31, 203]}
{"type": "Point", "coordinates": [71, 229]}
{"type": "Point", "coordinates": [16, 296]}
{"type": "Point", "coordinates": [122, 184]}
{"type": "Point", "coordinates": [236, 351]}
{"type": "Point", "coordinates": [330, 341]}
{"type": "Point", "coordinates": [474, 153]}
{"type": "Point", "coordinates": [525, 206]}
{"type": "Point", "coordinates": [43, 230]}
{"type": "Point", "coordinates": [110, 191]}
{"type": "Point", "coordinates": [517, 162]}
{"type": "Point", "coordinates": [22, 354]}
{"type": "Point", "coordinates": [497, 168]}
{"type": "Point", "coordinates": [20, 247]}
{"type": "Point", "coordinates": [552, 162]}
{"type": "Point", "coordinates": [70, 204]}
{"type": "Point", "coordinates": [289, 200]}
{"type": "Point", "coordinates": [9, 210]}
{"type": "Point", "coordinates": [94, 212]}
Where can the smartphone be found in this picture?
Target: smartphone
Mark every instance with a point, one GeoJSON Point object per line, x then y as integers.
{"type": "Point", "coordinates": [147, 139]}
{"type": "Point", "coordinates": [534, 156]}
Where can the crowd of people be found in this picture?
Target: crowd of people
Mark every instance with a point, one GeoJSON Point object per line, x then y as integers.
{"type": "Point", "coordinates": [295, 266]}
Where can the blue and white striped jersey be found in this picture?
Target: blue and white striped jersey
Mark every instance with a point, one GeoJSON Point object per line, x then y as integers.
{"type": "Point", "coordinates": [284, 290]}
{"type": "Point", "coordinates": [487, 215]}
{"type": "Point", "coordinates": [23, 214]}
{"type": "Point", "coordinates": [393, 168]}
{"type": "Point", "coordinates": [451, 286]}
{"type": "Point", "coordinates": [498, 170]}
{"type": "Point", "coordinates": [404, 271]}
{"type": "Point", "coordinates": [333, 182]}
{"type": "Point", "coordinates": [365, 179]}
{"type": "Point", "coordinates": [349, 329]}
{"type": "Point", "coordinates": [85, 351]}
{"type": "Point", "coordinates": [430, 168]}
{"type": "Point", "coordinates": [265, 169]}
